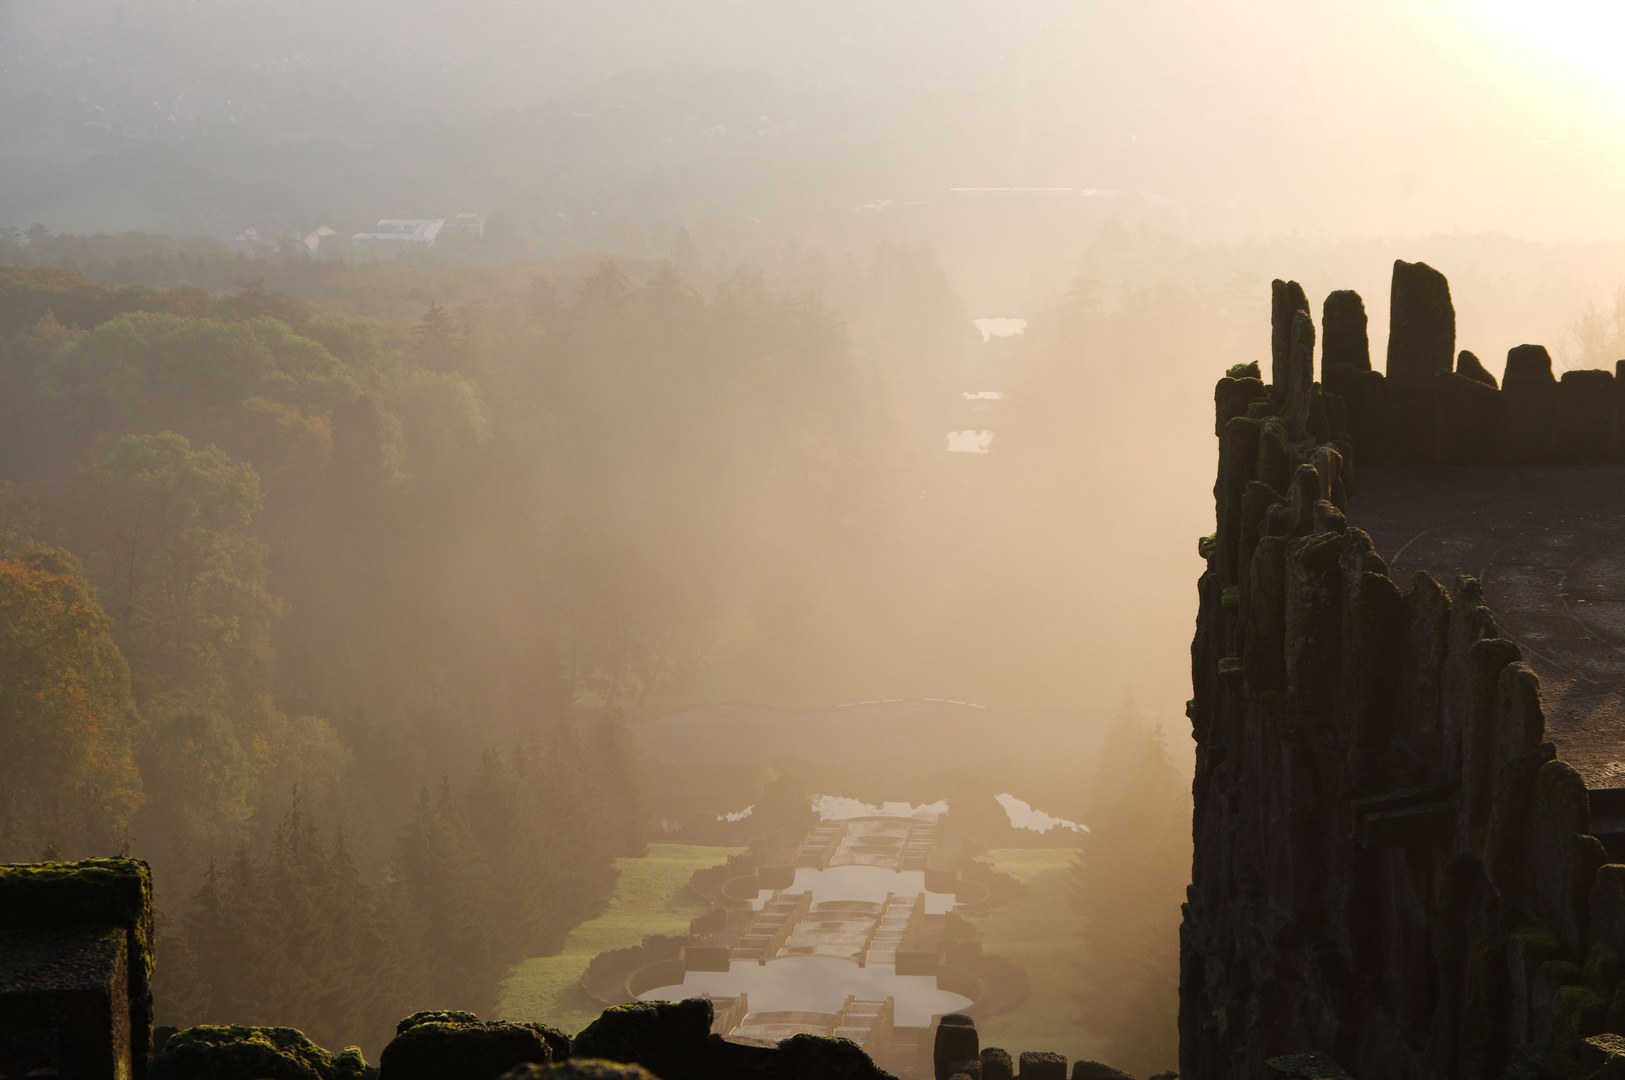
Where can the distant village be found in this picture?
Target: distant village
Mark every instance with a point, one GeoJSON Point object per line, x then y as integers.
{"type": "Point", "coordinates": [391, 234]}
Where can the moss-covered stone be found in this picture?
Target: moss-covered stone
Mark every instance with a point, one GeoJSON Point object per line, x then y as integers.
{"type": "Point", "coordinates": [1095, 1070]}
{"type": "Point", "coordinates": [234, 1052]}
{"type": "Point", "coordinates": [436, 1016]}
{"type": "Point", "coordinates": [820, 1057]}
{"type": "Point", "coordinates": [1579, 1012]}
{"type": "Point", "coordinates": [666, 1037]}
{"type": "Point", "coordinates": [996, 1063]}
{"type": "Point", "coordinates": [458, 1046]}
{"type": "Point", "coordinates": [94, 892]}
{"type": "Point", "coordinates": [1232, 397]}
{"type": "Point", "coordinates": [1042, 1065]}
{"type": "Point", "coordinates": [349, 1064]}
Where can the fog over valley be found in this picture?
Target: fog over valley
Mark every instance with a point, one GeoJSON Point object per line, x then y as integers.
{"type": "Point", "coordinates": [521, 508]}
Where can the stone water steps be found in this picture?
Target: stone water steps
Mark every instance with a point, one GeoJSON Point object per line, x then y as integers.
{"type": "Point", "coordinates": [898, 915]}
{"type": "Point", "coordinates": [867, 1023]}
{"type": "Point", "coordinates": [772, 926]}
{"type": "Point", "coordinates": [917, 846]}
{"type": "Point", "coordinates": [820, 846]}
{"type": "Point", "coordinates": [836, 928]}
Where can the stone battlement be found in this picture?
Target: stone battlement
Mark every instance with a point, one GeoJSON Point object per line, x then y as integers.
{"type": "Point", "coordinates": [1393, 866]}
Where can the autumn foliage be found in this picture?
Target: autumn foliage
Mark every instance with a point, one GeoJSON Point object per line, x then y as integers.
{"type": "Point", "coordinates": [67, 719]}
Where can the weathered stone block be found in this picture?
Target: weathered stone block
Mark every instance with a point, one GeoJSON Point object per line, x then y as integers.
{"type": "Point", "coordinates": [1286, 300]}
{"type": "Point", "coordinates": [1529, 367]}
{"type": "Point", "coordinates": [1344, 339]}
{"type": "Point", "coordinates": [95, 893]}
{"type": "Point", "coordinates": [1231, 397]}
{"type": "Point", "coordinates": [457, 1047]}
{"type": "Point", "coordinates": [1422, 324]}
{"type": "Point", "coordinates": [64, 1002]}
{"type": "Point", "coordinates": [1529, 402]}
{"type": "Point", "coordinates": [1042, 1065]}
{"type": "Point", "coordinates": [1094, 1070]}
{"type": "Point", "coordinates": [1471, 367]}
{"type": "Point", "coordinates": [996, 1064]}
{"type": "Point", "coordinates": [1584, 425]}
{"type": "Point", "coordinates": [1470, 421]}
{"type": "Point", "coordinates": [956, 1040]}
{"type": "Point", "coordinates": [669, 1038]}
{"type": "Point", "coordinates": [233, 1052]}
{"type": "Point", "coordinates": [819, 1057]}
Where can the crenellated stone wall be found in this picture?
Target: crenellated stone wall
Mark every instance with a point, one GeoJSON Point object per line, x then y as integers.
{"type": "Point", "coordinates": [1392, 867]}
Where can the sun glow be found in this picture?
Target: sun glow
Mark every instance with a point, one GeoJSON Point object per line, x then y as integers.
{"type": "Point", "coordinates": [1588, 35]}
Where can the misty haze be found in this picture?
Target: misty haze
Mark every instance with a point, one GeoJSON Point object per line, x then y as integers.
{"type": "Point", "coordinates": [728, 541]}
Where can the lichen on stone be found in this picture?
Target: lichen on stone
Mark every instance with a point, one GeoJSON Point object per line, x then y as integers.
{"type": "Point", "coordinates": [235, 1052]}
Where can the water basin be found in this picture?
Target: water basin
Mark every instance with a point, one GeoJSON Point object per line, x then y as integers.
{"type": "Point", "coordinates": [818, 984]}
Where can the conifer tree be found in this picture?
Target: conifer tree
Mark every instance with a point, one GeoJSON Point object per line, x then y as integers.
{"type": "Point", "coordinates": [450, 884]}
{"type": "Point", "coordinates": [1128, 883]}
{"type": "Point", "coordinates": [438, 340]}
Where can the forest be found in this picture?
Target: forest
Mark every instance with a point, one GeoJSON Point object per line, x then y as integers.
{"type": "Point", "coordinates": [337, 624]}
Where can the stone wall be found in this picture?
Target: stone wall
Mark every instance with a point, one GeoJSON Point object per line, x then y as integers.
{"type": "Point", "coordinates": [1430, 409]}
{"type": "Point", "coordinates": [1391, 865]}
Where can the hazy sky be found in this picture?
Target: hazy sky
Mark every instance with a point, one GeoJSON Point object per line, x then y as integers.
{"type": "Point", "coordinates": [1363, 117]}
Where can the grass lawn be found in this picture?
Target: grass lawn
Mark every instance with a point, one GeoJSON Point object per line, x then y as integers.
{"type": "Point", "coordinates": [650, 898]}
{"type": "Point", "coordinates": [1039, 932]}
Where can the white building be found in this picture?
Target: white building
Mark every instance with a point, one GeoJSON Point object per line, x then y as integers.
{"type": "Point", "coordinates": [402, 232]}
{"type": "Point", "coordinates": [314, 241]}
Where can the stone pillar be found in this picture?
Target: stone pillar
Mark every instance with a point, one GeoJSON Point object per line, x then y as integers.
{"type": "Point", "coordinates": [956, 1041]}
{"type": "Point", "coordinates": [1300, 374]}
{"type": "Point", "coordinates": [1286, 300]}
{"type": "Point", "coordinates": [1343, 332]}
{"type": "Point", "coordinates": [1422, 324]}
{"type": "Point", "coordinates": [1530, 394]}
